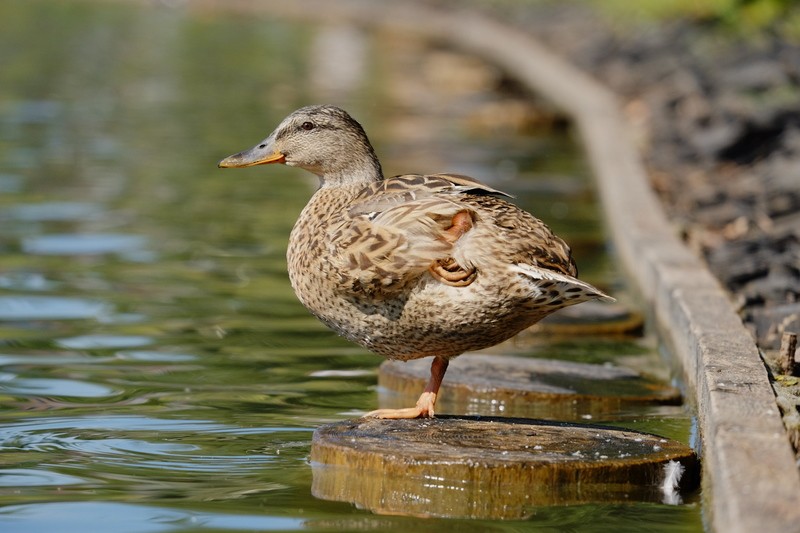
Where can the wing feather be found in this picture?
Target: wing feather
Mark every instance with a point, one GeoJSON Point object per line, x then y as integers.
{"type": "Point", "coordinates": [395, 230]}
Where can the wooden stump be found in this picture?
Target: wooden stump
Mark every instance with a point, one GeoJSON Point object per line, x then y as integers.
{"type": "Point", "coordinates": [490, 467]}
{"type": "Point", "coordinates": [518, 386]}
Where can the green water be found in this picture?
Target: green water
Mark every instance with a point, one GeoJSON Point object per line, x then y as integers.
{"type": "Point", "coordinates": [156, 371]}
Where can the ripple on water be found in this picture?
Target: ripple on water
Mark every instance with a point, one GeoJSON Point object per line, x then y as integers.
{"type": "Point", "coordinates": [26, 477]}
{"type": "Point", "coordinates": [79, 517]}
{"type": "Point", "coordinates": [23, 307]}
{"type": "Point", "coordinates": [25, 281]}
{"type": "Point", "coordinates": [11, 183]}
{"type": "Point", "coordinates": [69, 433]}
{"type": "Point", "coordinates": [53, 211]}
{"type": "Point", "coordinates": [54, 359]}
{"type": "Point", "coordinates": [154, 356]}
{"type": "Point", "coordinates": [70, 358]}
{"type": "Point", "coordinates": [100, 439]}
{"type": "Point", "coordinates": [33, 111]}
{"type": "Point", "coordinates": [129, 246]}
{"type": "Point", "coordinates": [113, 423]}
{"type": "Point", "coordinates": [49, 387]}
{"type": "Point", "coordinates": [90, 342]}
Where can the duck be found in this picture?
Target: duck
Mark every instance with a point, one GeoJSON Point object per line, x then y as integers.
{"type": "Point", "coordinates": [414, 265]}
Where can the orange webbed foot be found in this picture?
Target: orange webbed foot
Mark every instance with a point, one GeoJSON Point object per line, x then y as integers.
{"type": "Point", "coordinates": [423, 409]}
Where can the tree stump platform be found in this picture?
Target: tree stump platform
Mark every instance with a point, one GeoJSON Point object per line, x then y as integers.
{"type": "Point", "coordinates": [492, 467]}
{"type": "Point", "coordinates": [527, 387]}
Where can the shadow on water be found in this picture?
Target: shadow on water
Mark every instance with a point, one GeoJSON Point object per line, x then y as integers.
{"type": "Point", "coordinates": [156, 371]}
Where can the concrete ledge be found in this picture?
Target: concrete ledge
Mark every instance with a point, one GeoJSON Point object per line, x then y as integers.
{"type": "Point", "coordinates": [751, 481]}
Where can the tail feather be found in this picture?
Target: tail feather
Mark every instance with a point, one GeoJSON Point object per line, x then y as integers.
{"type": "Point", "coordinates": [559, 290]}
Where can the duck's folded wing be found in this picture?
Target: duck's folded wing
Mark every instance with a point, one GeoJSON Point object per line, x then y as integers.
{"type": "Point", "coordinates": [386, 244]}
{"type": "Point", "coordinates": [395, 230]}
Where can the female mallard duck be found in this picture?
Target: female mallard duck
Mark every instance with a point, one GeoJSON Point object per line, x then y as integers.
{"type": "Point", "coordinates": [413, 265]}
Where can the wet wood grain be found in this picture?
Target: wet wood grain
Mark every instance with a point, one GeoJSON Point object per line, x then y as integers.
{"type": "Point", "coordinates": [489, 467]}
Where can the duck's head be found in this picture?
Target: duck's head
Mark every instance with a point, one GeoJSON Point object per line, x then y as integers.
{"type": "Point", "coordinates": [322, 139]}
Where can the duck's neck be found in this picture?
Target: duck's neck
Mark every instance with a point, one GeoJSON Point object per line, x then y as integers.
{"type": "Point", "coordinates": [357, 174]}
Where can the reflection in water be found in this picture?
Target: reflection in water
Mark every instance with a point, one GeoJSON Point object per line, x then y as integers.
{"type": "Point", "coordinates": [124, 518]}
{"type": "Point", "coordinates": [17, 477]}
{"type": "Point", "coordinates": [19, 386]}
{"type": "Point", "coordinates": [25, 307]}
{"type": "Point", "coordinates": [158, 372]}
{"type": "Point", "coordinates": [53, 211]}
{"type": "Point", "coordinates": [88, 342]}
{"type": "Point", "coordinates": [130, 246]}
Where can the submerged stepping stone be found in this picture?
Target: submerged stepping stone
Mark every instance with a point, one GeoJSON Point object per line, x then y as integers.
{"type": "Point", "coordinates": [591, 318]}
{"type": "Point", "coordinates": [493, 467]}
{"type": "Point", "coordinates": [520, 386]}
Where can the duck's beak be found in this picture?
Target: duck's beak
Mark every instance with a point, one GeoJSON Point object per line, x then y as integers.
{"type": "Point", "coordinates": [261, 154]}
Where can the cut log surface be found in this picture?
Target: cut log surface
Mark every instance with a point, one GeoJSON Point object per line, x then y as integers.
{"type": "Point", "coordinates": [491, 467]}
{"type": "Point", "coordinates": [520, 386]}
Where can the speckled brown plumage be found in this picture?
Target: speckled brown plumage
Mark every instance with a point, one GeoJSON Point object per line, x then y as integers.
{"type": "Point", "coordinates": [414, 265]}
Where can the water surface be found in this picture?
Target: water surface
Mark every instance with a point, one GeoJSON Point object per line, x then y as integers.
{"type": "Point", "coordinates": [156, 371]}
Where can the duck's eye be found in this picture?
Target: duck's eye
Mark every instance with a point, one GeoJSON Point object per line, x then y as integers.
{"type": "Point", "coordinates": [308, 126]}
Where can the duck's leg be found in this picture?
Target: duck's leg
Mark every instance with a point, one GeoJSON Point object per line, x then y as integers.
{"type": "Point", "coordinates": [424, 407]}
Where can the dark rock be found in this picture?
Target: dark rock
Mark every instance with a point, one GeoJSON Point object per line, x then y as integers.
{"type": "Point", "coordinates": [758, 75]}
{"type": "Point", "coordinates": [771, 322]}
